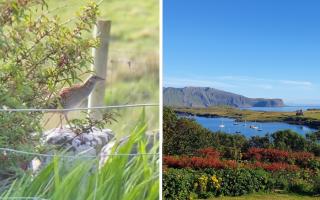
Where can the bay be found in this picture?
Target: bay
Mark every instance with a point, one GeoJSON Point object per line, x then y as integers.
{"type": "Point", "coordinates": [229, 125]}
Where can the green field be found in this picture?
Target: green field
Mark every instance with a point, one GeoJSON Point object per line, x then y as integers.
{"type": "Point", "coordinates": [268, 197]}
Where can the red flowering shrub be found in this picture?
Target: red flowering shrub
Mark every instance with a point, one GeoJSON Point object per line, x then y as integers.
{"type": "Point", "coordinates": [202, 163]}
{"type": "Point", "coordinates": [301, 156]}
{"type": "Point", "coordinates": [230, 164]}
{"type": "Point", "coordinates": [171, 161]}
{"type": "Point", "coordinates": [267, 159]}
{"type": "Point", "coordinates": [209, 152]}
{"type": "Point", "coordinates": [276, 166]}
{"type": "Point", "coordinates": [271, 155]}
{"type": "Point", "coordinates": [197, 162]}
{"type": "Point", "coordinates": [275, 155]}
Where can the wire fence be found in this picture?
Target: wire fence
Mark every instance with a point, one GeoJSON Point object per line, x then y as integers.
{"type": "Point", "coordinates": [5, 150]}
{"type": "Point", "coordinates": [5, 109]}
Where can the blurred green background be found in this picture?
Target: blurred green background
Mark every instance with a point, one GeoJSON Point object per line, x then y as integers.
{"type": "Point", "coordinates": [133, 61]}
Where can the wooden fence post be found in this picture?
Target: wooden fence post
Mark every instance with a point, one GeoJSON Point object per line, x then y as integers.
{"type": "Point", "coordinates": [100, 55]}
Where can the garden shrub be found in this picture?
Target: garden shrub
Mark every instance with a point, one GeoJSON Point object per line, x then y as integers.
{"type": "Point", "coordinates": [183, 183]}
{"type": "Point", "coordinates": [316, 188]}
{"type": "Point", "coordinates": [177, 184]}
{"type": "Point", "coordinates": [302, 159]}
{"type": "Point", "coordinates": [206, 183]}
{"type": "Point", "coordinates": [212, 162]}
{"type": "Point", "coordinates": [39, 54]}
{"type": "Point", "coordinates": [301, 186]}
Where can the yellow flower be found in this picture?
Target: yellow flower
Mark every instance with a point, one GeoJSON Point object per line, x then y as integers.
{"type": "Point", "coordinates": [203, 181]}
{"type": "Point", "coordinates": [215, 181]}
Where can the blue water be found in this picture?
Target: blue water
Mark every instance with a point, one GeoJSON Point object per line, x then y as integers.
{"type": "Point", "coordinates": [282, 109]}
{"type": "Point", "coordinates": [244, 127]}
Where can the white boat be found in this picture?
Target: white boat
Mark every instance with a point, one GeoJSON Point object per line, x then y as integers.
{"type": "Point", "coordinates": [221, 125]}
{"type": "Point", "coordinates": [245, 123]}
{"type": "Point", "coordinates": [254, 127]}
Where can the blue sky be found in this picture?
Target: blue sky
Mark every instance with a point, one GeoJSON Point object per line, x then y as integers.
{"type": "Point", "coordinates": [257, 48]}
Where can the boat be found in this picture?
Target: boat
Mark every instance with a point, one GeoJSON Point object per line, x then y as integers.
{"type": "Point", "coordinates": [245, 123]}
{"type": "Point", "coordinates": [254, 127]}
{"type": "Point", "coordinates": [221, 125]}
{"type": "Point", "coordinates": [235, 123]}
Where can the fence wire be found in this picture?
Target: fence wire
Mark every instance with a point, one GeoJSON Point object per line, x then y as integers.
{"type": "Point", "coordinates": [5, 109]}
{"type": "Point", "coordinates": [5, 150]}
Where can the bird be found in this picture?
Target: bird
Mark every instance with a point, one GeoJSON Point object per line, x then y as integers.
{"type": "Point", "coordinates": [72, 97]}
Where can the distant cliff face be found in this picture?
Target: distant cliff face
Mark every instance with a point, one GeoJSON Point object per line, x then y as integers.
{"type": "Point", "coordinates": [206, 97]}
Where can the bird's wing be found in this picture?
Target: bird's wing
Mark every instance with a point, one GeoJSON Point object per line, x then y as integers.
{"type": "Point", "coordinates": [67, 92]}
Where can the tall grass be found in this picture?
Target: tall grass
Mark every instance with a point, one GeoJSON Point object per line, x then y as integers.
{"type": "Point", "coordinates": [121, 177]}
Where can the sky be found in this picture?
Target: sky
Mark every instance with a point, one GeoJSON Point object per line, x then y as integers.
{"type": "Point", "coordinates": [257, 48]}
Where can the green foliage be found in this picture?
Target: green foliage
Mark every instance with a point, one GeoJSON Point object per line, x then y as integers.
{"type": "Point", "coordinates": [181, 183]}
{"type": "Point", "coordinates": [301, 186]}
{"type": "Point", "coordinates": [39, 54]}
{"type": "Point", "coordinates": [187, 183]}
{"type": "Point", "coordinates": [289, 140]}
{"type": "Point", "coordinates": [121, 177]}
{"type": "Point", "coordinates": [86, 125]}
{"type": "Point", "coordinates": [181, 135]}
{"type": "Point", "coordinates": [177, 184]}
{"type": "Point", "coordinates": [317, 184]}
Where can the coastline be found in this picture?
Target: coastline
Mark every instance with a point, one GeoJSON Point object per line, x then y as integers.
{"type": "Point", "coordinates": [311, 118]}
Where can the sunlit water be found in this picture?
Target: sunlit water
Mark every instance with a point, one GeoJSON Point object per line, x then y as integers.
{"type": "Point", "coordinates": [231, 126]}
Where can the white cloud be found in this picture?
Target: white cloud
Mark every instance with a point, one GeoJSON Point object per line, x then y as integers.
{"type": "Point", "coordinates": [298, 83]}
